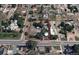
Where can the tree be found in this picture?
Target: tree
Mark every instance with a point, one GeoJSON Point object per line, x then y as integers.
{"type": "Point", "coordinates": [30, 12]}
{"type": "Point", "coordinates": [62, 24]}
{"type": "Point", "coordinates": [16, 15]}
{"type": "Point", "coordinates": [76, 49]}
{"type": "Point", "coordinates": [47, 49]}
{"type": "Point", "coordinates": [52, 6]}
{"type": "Point", "coordinates": [38, 25]}
{"type": "Point", "coordinates": [13, 5]}
{"type": "Point", "coordinates": [66, 27]}
{"type": "Point", "coordinates": [0, 5]}
{"type": "Point", "coordinates": [31, 44]}
{"type": "Point", "coordinates": [5, 23]}
{"type": "Point", "coordinates": [20, 22]}
{"type": "Point", "coordinates": [69, 6]}
{"type": "Point", "coordinates": [39, 35]}
{"type": "Point", "coordinates": [75, 9]}
{"type": "Point", "coordinates": [54, 37]}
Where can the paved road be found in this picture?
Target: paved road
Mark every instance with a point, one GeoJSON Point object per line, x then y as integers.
{"type": "Point", "coordinates": [40, 43]}
{"type": "Point", "coordinates": [11, 12]}
{"type": "Point", "coordinates": [55, 43]}
{"type": "Point", "coordinates": [12, 42]}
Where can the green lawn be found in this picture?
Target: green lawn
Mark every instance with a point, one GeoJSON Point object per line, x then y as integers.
{"type": "Point", "coordinates": [6, 35]}
{"type": "Point", "coordinates": [53, 18]}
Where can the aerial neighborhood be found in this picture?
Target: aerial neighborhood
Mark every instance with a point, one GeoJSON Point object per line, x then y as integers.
{"type": "Point", "coordinates": [39, 29]}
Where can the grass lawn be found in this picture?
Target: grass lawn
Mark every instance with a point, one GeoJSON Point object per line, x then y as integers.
{"type": "Point", "coordinates": [53, 18]}
{"type": "Point", "coordinates": [12, 35]}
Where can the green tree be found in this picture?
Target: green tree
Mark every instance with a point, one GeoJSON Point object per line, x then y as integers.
{"type": "Point", "coordinates": [20, 22]}
{"type": "Point", "coordinates": [76, 48]}
{"type": "Point", "coordinates": [66, 27]}
{"type": "Point", "coordinates": [54, 37]}
{"type": "Point", "coordinates": [69, 6]}
{"type": "Point", "coordinates": [13, 5]}
{"type": "Point", "coordinates": [31, 44]}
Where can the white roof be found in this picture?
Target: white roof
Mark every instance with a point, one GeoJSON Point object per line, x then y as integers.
{"type": "Point", "coordinates": [13, 26]}
{"type": "Point", "coordinates": [52, 31]}
{"type": "Point", "coordinates": [45, 16]}
{"type": "Point", "coordinates": [46, 34]}
{"type": "Point", "coordinates": [23, 11]}
{"type": "Point", "coordinates": [10, 52]}
{"type": "Point", "coordinates": [15, 21]}
{"type": "Point", "coordinates": [69, 23]}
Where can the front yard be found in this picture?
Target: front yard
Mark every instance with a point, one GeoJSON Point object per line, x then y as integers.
{"type": "Point", "coordinates": [11, 35]}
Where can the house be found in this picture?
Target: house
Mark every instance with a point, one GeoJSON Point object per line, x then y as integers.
{"type": "Point", "coordinates": [14, 26]}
